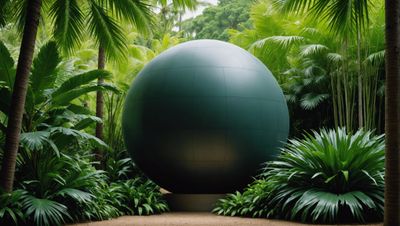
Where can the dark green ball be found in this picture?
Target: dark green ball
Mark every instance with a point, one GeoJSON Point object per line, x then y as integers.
{"type": "Point", "coordinates": [203, 116]}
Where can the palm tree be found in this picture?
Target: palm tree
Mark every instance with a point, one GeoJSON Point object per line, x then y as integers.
{"type": "Point", "coordinates": [69, 25]}
{"type": "Point", "coordinates": [101, 62]}
{"type": "Point", "coordinates": [392, 105]}
{"type": "Point", "coordinates": [19, 94]}
{"type": "Point", "coordinates": [139, 14]}
{"type": "Point", "coordinates": [135, 12]}
{"type": "Point", "coordinates": [347, 18]}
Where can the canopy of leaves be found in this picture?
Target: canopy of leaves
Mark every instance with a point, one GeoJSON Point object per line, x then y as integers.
{"type": "Point", "coordinates": [215, 20]}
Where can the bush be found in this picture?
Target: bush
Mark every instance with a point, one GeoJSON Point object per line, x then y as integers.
{"type": "Point", "coordinates": [139, 196]}
{"type": "Point", "coordinates": [58, 189]}
{"type": "Point", "coordinates": [62, 189]}
{"type": "Point", "coordinates": [11, 208]}
{"type": "Point", "coordinates": [249, 203]}
{"type": "Point", "coordinates": [55, 179]}
{"type": "Point", "coordinates": [327, 177]}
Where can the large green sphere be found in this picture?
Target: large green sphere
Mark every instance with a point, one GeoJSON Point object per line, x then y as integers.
{"type": "Point", "coordinates": [203, 116]}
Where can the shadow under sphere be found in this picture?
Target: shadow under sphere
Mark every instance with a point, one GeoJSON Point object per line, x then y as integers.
{"type": "Point", "coordinates": [203, 116]}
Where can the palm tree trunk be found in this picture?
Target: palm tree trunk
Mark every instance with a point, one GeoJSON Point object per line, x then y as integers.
{"type": "Point", "coordinates": [360, 84]}
{"type": "Point", "coordinates": [100, 105]}
{"type": "Point", "coordinates": [334, 100]}
{"type": "Point", "coordinates": [392, 111]}
{"type": "Point", "coordinates": [19, 94]}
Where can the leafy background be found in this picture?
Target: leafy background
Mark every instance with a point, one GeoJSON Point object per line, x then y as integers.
{"type": "Point", "coordinates": [316, 54]}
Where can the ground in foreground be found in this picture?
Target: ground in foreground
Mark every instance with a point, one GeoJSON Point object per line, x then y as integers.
{"type": "Point", "coordinates": [191, 219]}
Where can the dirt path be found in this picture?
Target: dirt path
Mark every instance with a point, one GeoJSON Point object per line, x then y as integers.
{"type": "Point", "coordinates": [191, 219]}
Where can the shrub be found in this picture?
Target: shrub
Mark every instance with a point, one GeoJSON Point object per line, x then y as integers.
{"type": "Point", "coordinates": [56, 180]}
{"type": "Point", "coordinates": [327, 177]}
{"type": "Point", "coordinates": [67, 188]}
{"type": "Point", "coordinates": [139, 196]}
{"type": "Point", "coordinates": [10, 207]}
{"type": "Point", "coordinates": [59, 189]}
{"type": "Point", "coordinates": [249, 203]}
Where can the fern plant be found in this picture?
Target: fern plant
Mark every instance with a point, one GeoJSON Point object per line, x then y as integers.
{"type": "Point", "coordinates": [327, 177]}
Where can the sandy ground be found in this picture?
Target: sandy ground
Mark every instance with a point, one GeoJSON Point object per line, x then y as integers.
{"type": "Point", "coordinates": [191, 219]}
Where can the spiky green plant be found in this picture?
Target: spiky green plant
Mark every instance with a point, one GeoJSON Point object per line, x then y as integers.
{"type": "Point", "coordinates": [328, 177]}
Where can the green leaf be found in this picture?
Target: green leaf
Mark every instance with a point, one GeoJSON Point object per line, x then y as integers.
{"type": "Point", "coordinates": [44, 67]}
{"type": "Point", "coordinates": [78, 135]}
{"type": "Point", "coordinates": [310, 101]}
{"type": "Point", "coordinates": [4, 4]}
{"type": "Point", "coordinates": [64, 99]}
{"type": "Point", "coordinates": [45, 211]}
{"type": "Point", "coordinates": [345, 174]}
{"type": "Point", "coordinates": [137, 12]}
{"type": "Point", "coordinates": [7, 70]}
{"type": "Point", "coordinates": [87, 121]}
{"type": "Point", "coordinates": [80, 80]}
{"type": "Point", "coordinates": [107, 33]}
{"type": "Point", "coordinates": [316, 191]}
{"type": "Point", "coordinates": [34, 140]}
{"type": "Point", "coordinates": [68, 20]}
{"type": "Point", "coordinates": [76, 194]}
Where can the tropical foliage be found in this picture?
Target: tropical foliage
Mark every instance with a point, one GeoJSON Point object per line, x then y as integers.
{"type": "Point", "coordinates": [331, 177]}
{"type": "Point", "coordinates": [318, 68]}
{"type": "Point", "coordinates": [57, 181]}
{"type": "Point", "coordinates": [327, 57]}
{"type": "Point", "coordinates": [216, 20]}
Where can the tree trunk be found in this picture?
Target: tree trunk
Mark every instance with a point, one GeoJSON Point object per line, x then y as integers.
{"type": "Point", "coordinates": [100, 105]}
{"type": "Point", "coordinates": [360, 88]}
{"type": "Point", "coordinates": [392, 113]}
{"type": "Point", "coordinates": [19, 94]}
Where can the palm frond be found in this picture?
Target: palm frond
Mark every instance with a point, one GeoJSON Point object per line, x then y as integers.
{"type": "Point", "coordinates": [45, 212]}
{"type": "Point", "coordinates": [44, 67]}
{"type": "Point", "coordinates": [106, 31]}
{"type": "Point", "coordinates": [282, 42]}
{"type": "Point", "coordinates": [65, 98]}
{"type": "Point", "coordinates": [34, 140]}
{"type": "Point", "coordinates": [78, 135]}
{"type": "Point", "coordinates": [7, 70]}
{"type": "Point", "coordinates": [341, 15]}
{"type": "Point", "coordinates": [376, 59]}
{"type": "Point", "coordinates": [80, 80]}
{"type": "Point", "coordinates": [298, 6]}
{"type": "Point", "coordinates": [19, 13]}
{"type": "Point", "coordinates": [79, 121]}
{"type": "Point", "coordinates": [38, 140]}
{"type": "Point", "coordinates": [138, 12]}
{"type": "Point", "coordinates": [79, 109]}
{"type": "Point", "coordinates": [180, 4]}
{"type": "Point", "coordinates": [312, 49]}
{"type": "Point", "coordinates": [4, 4]}
{"type": "Point", "coordinates": [335, 57]}
{"type": "Point", "coordinates": [68, 20]}
{"type": "Point", "coordinates": [79, 195]}
{"type": "Point", "coordinates": [312, 100]}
